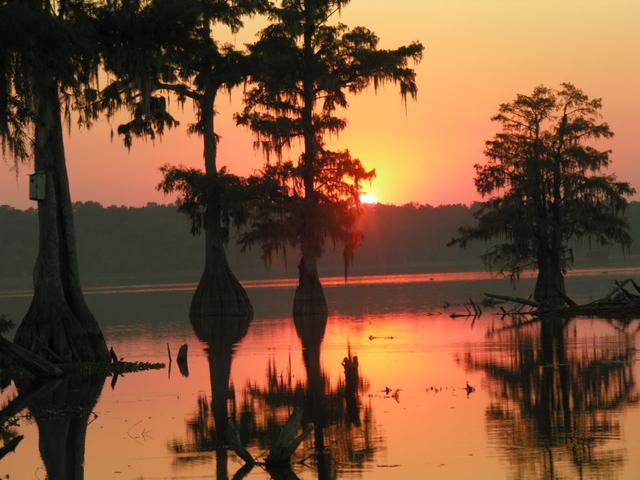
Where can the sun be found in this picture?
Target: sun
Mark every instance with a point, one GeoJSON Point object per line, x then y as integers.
{"type": "Point", "coordinates": [368, 198]}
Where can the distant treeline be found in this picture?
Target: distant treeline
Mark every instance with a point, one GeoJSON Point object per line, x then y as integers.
{"type": "Point", "coordinates": [153, 243]}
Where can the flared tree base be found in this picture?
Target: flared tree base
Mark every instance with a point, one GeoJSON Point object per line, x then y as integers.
{"type": "Point", "coordinates": [310, 328]}
{"type": "Point", "coordinates": [220, 333]}
{"type": "Point", "coordinates": [309, 301]}
{"type": "Point", "coordinates": [53, 331]}
{"type": "Point", "coordinates": [550, 289]}
{"type": "Point", "coordinates": [220, 295]}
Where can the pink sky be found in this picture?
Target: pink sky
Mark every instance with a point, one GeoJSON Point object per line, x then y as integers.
{"type": "Point", "coordinates": [478, 55]}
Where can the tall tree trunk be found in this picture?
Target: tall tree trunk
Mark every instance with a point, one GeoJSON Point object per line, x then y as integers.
{"type": "Point", "coordinates": [550, 289]}
{"type": "Point", "coordinates": [58, 319]}
{"type": "Point", "coordinates": [219, 293]}
{"type": "Point", "coordinates": [309, 298]}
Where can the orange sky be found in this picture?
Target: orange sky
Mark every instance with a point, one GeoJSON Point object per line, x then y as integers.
{"type": "Point", "coordinates": [479, 54]}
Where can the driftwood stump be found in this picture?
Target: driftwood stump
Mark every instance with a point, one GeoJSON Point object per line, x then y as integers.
{"type": "Point", "coordinates": [351, 375]}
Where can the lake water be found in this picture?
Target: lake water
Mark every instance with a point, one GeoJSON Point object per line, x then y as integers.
{"type": "Point", "coordinates": [551, 400]}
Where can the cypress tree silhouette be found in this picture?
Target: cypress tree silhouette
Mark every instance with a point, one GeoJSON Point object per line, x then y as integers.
{"type": "Point", "coordinates": [545, 187]}
{"type": "Point", "coordinates": [304, 66]}
{"type": "Point", "coordinates": [163, 49]}
{"type": "Point", "coordinates": [48, 68]}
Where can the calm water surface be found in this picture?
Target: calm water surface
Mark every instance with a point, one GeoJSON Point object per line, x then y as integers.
{"type": "Point", "coordinates": [551, 400]}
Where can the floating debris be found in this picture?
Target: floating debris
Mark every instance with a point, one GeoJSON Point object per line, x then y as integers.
{"type": "Point", "coordinates": [473, 311]}
{"type": "Point", "coordinates": [469, 389]}
{"type": "Point", "coordinates": [371, 337]}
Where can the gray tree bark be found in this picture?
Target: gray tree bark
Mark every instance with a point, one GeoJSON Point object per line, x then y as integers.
{"type": "Point", "coordinates": [58, 318]}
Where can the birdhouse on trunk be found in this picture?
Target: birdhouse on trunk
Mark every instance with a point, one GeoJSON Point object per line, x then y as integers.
{"type": "Point", "coordinates": [38, 186]}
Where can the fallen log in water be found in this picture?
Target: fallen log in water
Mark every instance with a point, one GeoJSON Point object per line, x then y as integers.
{"type": "Point", "coordinates": [504, 298]}
{"type": "Point", "coordinates": [620, 302]}
{"type": "Point", "coordinates": [32, 394]}
{"type": "Point", "coordinates": [36, 365]}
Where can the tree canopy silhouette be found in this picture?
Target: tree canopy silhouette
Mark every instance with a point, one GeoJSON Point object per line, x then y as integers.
{"type": "Point", "coordinates": [545, 185]}
{"type": "Point", "coordinates": [170, 51]}
{"type": "Point", "coordinates": [304, 66]}
{"type": "Point", "coordinates": [48, 68]}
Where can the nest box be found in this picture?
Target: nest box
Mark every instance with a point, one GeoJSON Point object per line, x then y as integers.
{"type": "Point", "coordinates": [38, 186]}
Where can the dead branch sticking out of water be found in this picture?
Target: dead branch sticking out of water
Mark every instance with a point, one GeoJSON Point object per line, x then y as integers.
{"type": "Point", "coordinates": [114, 357]}
{"type": "Point", "coordinates": [10, 446]}
{"type": "Point", "coordinates": [288, 442]}
{"type": "Point", "coordinates": [620, 302]}
{"type": "Point", "coordinates": [473, 311]}
{"type": "Point", "coordinates": [233, 438]}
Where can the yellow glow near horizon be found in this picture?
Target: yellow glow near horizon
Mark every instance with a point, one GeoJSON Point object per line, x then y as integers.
{"type": "Point", "coordinates": [368, 198]}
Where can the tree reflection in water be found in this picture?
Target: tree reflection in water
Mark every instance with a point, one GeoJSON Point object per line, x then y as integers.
{"type": "Point", "coordinates": [556, 403]}
{"type": "Point", "coordinates": [206, 430]}
{"type": "Point", "coordinates": [62, 410]}
{"type": "Point", "coordinates": [344, 433]}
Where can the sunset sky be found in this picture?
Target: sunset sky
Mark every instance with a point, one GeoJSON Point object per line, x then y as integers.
{"type": "Point", "coordinates": [479, 53]}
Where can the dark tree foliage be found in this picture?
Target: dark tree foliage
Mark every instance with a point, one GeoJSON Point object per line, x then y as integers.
{"type": "Point", "coordinates": [48, 68]}
{"type": "Point", "coordinates": [544, 185]}
{"type": "Point", "coordinates": [165, 49]}
{"type": "Point", "coordinates": [304, 66]}
{"type": "Point", "coordinates": [193, 189]}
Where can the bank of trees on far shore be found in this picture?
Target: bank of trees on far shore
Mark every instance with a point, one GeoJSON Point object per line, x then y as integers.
{"type": "Point", "coordinates": [129, 245]}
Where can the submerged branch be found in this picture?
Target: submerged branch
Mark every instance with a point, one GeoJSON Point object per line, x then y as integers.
{"type": "Point", "coordinates": [620, 302]}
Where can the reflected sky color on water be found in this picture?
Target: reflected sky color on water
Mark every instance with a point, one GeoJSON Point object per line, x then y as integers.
{"type": "Point", "coordinates": [552, 399]}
